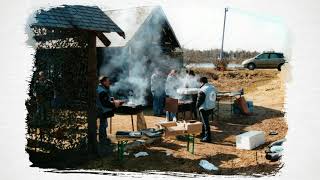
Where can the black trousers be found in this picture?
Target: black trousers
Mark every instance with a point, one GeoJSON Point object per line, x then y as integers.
{"type": "Point", "coordinates": [104, 124]}
{"type": "Point", "coordinates": [194, 108]}
{"type": "Point", "coordinates": [204, 115]}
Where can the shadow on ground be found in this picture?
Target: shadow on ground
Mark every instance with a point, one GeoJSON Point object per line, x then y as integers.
{"type": "Point", "coordinates": [158, 161]}
{"type": "Point", "coordinates": [67, 159]}
{"type": "Point", "coordinates": [231, 124]}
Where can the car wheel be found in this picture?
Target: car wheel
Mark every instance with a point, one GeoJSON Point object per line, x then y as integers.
{"type": "Point", "coordinates": [279, 67]}
{"type": "Point", "coordinates": [251, 66]}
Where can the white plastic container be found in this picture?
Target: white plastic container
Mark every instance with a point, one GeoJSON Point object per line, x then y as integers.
{"type": "Point", "coordinates": [250, 140]}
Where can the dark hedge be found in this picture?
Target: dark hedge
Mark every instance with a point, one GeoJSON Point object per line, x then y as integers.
{"type": "Point", "coordinates": [62, 56]}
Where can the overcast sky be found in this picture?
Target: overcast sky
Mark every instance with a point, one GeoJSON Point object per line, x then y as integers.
{"type": "Point", "coordinates": [200, 26]}
{"type": "Point", "coordinates": [249, 26]}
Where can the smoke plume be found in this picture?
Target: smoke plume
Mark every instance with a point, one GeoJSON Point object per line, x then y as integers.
{"type": "Point", "coordinates": [131, 67]}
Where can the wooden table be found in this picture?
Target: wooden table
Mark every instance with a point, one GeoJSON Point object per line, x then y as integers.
{"type": "Point", "coordinates": [227, 95]}
{"type": "Point", "coordinates": [189, 130]}
{"type": "Point", "coordinates": [221, 95]}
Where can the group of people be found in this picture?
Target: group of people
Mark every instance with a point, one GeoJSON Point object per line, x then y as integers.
{"type": "Point", "coordinates": [161, 87]}
{"type": "Point", "coordinates": [203, 102]}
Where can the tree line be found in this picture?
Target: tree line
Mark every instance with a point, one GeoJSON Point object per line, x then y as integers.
{"type": "Point", "coordinates": [212, 55]}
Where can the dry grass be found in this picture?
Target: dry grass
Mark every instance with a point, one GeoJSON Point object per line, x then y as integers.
{"type": "Point", "coordinates": [261, 86]}
{"type": "Point", "coordinates": [232, 79]}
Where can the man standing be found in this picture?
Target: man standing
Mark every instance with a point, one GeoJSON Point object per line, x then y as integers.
{"type": "Point", "coordinates": [192, 81]}
{"type": "Point", "coordinates": [158, 93]}
{"type": "Point", "coordinates": [206, 103]}
{"type": "Point", "coordinates": [44, 92]}
{"type": "Point", "coordinates": [105, 105]}
{"type": "Point", "coordinates": [171, 86]}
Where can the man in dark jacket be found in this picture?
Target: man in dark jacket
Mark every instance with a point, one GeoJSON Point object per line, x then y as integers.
{"type": "Point", "coordinates": [206, 103]}
{"type": "Point", "coordinates": [105, 105]}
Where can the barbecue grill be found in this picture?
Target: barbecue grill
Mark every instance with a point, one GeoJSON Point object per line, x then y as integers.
{"type": "Point", "coordinates": [129, 108]}
{"type": "Point", "coordinates": [188, 91]}
{"type": "Point", "coordinates": [184, 105]}
{"type": "Point", "coordinates": [178, 106]}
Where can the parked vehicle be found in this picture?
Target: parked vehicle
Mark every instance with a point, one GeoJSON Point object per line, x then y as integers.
{"type": "Point", "coordinates": [265, 60]}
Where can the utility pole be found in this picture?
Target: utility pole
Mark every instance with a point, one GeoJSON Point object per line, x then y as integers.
{"type": "Point", "coordinates": [224, 25]}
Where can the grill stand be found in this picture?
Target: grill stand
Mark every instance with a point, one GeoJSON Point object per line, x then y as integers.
{"type": "Point", "coordinates": [132, 122]}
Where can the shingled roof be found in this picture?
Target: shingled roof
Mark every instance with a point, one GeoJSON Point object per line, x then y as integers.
{"type": "Point", "coordinates": [77, 17]}
{"type": "Point", "coordinates": [134, 21]}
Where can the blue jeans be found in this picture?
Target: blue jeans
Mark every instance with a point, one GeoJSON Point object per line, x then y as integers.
{"type": "Point", "coordinates": [158, 103]}
{"type": "Point", "coordinates": [103, 126]}
{"type": "Point", "coordinates": [171, 116]}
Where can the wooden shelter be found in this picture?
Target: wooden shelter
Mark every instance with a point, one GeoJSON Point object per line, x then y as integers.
{"type": "Point", "coordinates": [93, 22]}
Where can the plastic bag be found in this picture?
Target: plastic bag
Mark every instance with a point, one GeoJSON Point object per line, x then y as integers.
{"type": "Point", "coordinates": [208, 166]}
{"type": "Point", "coordinates": [276, 149]}
{"type": "Point", "coordinates": [139, 154]}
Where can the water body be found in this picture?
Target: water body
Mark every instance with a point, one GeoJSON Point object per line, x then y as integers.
{"type": "Point", "coordinates": [210, 65]}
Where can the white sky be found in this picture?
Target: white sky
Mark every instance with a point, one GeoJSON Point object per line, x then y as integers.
{"type": "Point", "coordinates": [195, 21]}
{"type": "Point", "coordinates": [199, 24]}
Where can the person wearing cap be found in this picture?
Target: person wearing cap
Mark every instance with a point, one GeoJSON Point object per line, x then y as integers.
{"type": "Point", "coordinates": [44, 93]}
{"type": "Point", "coordinates": [206, 102]}
{"type": "Point", "coordinates": [105, 105]}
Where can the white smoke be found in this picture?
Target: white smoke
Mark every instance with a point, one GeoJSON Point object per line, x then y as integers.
{"type": "Point", "coordinates": [182, 80]}
{"type": "Point", "coordinates": [188, 81]}
{"type": "Point", "coordinates": [31, 42]}
{"type": "Point", "coordinates": [134, 79]}
{"type": "Point", "coordinates": [134, 64]}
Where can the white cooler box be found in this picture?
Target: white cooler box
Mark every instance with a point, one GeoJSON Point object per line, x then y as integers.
{"type": "Point", "coordinates": [250, 140]}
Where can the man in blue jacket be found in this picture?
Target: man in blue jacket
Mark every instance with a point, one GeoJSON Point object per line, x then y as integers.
{"type": "Point", "coordinates": [105, 105]}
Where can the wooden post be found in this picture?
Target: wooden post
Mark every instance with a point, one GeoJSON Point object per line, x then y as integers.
{"type": "Point", "coordinates": [141, 122]}
{"type": "Point", "coordinates": [92, 85]}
